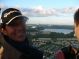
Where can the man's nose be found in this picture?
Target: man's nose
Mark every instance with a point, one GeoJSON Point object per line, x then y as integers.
{"type": "Point", "coordinates": [20, 29]}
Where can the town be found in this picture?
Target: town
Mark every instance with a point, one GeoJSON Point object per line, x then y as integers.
{"type": "Point", "coordinates": [49, 41]}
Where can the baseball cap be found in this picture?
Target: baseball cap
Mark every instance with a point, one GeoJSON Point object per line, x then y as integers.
{"type": "Point", "coordinates": [9, 16]}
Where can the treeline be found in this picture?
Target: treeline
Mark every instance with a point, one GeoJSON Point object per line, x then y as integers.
{"type": "Point", "coordinates": [39, 34]}
{"type": "Point", "coordinates": [53, 35]}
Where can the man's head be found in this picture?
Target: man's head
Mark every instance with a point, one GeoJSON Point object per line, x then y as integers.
{"type": "Point", "coordinates": [76, 22]}
{"type": "Point", "coordinates": [14, 24]}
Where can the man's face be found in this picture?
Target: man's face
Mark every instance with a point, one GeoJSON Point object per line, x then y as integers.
{"type": "Point", "coordinates": [17, 31]}
{"type": "Point", "coordinates": [77, 31]}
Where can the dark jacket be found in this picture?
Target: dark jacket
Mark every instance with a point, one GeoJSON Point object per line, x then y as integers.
{"type": "Point", "coordinates": [67, 53]}
{"type": "Point", "coordinates": [12, 51]}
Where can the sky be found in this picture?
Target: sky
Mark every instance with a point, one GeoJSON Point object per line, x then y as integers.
{"type": "Point", "coordinates": [56, 12]}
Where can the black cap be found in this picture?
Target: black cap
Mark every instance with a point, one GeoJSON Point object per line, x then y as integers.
{"type": "Point", "coordinates": [10, 14]}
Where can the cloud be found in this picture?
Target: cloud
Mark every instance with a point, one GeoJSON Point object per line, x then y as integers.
{"type": "Point", "coordinates": [42, 12]}
{"type": "Point", "coordinates": [39, 11]}
{"type": "Point", "coordinates": [69, 10]}
{"type": "Point", "coordinates": [17, 6]}
{"type": "Point", "coordinates": [2, 5]}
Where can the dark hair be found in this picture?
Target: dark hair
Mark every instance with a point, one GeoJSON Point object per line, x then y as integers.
{"type": "Point", "coordinates": [76, 17]}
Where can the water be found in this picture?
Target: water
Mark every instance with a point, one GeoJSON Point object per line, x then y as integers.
{"type": "Point", "coordinates": [65, 31]}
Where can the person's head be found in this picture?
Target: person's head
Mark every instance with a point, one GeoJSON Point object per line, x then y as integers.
{"type": "Point", "coordinates": [14, 24]}
{"type": "Point", "coordinates": [76, 24]}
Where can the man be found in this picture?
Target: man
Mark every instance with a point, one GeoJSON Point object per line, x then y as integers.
{"type": "Point", "coordinates": [71, 52]}
{"type": "Point", "coordinates": [13, 37]}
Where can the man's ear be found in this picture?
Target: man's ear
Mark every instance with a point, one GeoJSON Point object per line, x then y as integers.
{"type": "Point", "coordinates": [75, 29]}
{"type": "Point", "coordinates": [3, 31]}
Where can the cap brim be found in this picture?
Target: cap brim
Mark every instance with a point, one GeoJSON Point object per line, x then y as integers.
{"type": "Point", "coordinates": [24, 18]}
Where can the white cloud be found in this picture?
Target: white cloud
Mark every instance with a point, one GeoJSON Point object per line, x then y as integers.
{"type": "Point", "coordinates": [42, 12]}
{"type": "Point", "coordinates": [69, 10]}
{"type": "Point", "coordinates": [17, 6]}
{"type": "Point", "coordinates": [39, 11]}
{"type": "Point", "coordinates": [39, 8]}
{"type": "Point", "coordinates": [45, 12]}
{"type": "Point", "coordinates": [2, 5]}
